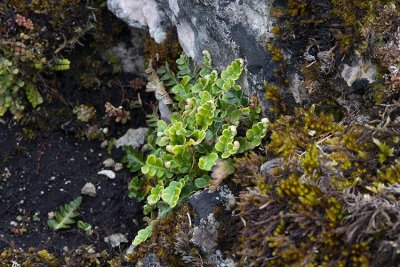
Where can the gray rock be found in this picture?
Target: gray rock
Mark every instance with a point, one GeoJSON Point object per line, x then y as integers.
{"type": "Point", "coordinates": [109, 163]}
{"type": "Point", "coordinates": [218, 260]}
{"type": "Point", "coordinates": [133, 137]}
{"type": "Point", "coordinates": [204, 202]}
{"type": "Point", "coordinates": [118, 166]}
{"type": "Point", "coordinates": [360, 70]}
{"type": "Point", "coordinates": [130, 52]}
{"type": "Point", "coordinates": [89, 189]}
{"type": "Point", "coordinates": [229, 29]}
{"type": "Point", "coordinates": [151, 260]}
{"type": "Point", "coordinates": [267, 167]}
{"type": "Point", "coordinates": [140, 14]}
{"type": "Point", "coordinates": [205, 235]}
{"type": "Point", "coordinates": [115, 240]}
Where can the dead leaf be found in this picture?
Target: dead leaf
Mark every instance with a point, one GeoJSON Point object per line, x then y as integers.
{"type": "Point", "coordinates": [220, 171]}
{"type": "Point", "coordinates": [137, 83]}
{"type": "Point", "coordinates": [19, 231]}
{"type": "Point", "coordinates": [157, 86]}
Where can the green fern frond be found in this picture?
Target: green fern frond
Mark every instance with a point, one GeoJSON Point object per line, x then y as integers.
{"type": "Point", "coordinates": [65, 217]}
{"type": "Point", "coordinates": [33, 95]}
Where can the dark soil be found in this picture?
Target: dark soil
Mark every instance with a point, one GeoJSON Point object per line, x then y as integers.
{"type": "Point", "coordinates": [48, 157]}
{"type": "Point", "coordinates": [48, 172]}
{"type": "Point", "coordinates": [45, 162]}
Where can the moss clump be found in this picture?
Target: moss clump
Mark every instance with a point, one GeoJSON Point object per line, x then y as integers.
{"type": "Point", "coordinates": [32, 257]}
{"type": "Point", "coordinates": [276, 52]}
{"type": "Point", "coordinates": [167, 233]}
{"type": "Point", "coordinates": [166, 52]}
{"type": "Point", "coordinates": [314, 209]}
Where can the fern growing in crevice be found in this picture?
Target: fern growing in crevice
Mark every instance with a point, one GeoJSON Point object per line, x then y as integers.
{"type": "Point", "coordinates": [202, 132]}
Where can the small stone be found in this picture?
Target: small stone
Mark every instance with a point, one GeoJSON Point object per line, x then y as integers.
{"type": "Point", "coordinates": [108, 173]}
{"type": "Point", "coordinates": [118, 166]}
{"type": "Point", "coordinates": [268, 167]}
{"type": "Point", "coordinates": [115, 239]}
{"type": "Point", "coordinates": [312, 132]}
{"type": "Point", "coordinates": [104, 144]}
{"type": "Point", "coordinates": [89, 189]}
{"type": "Point", "coordinates": [109, 163]}
{"type": "Point", "coordinates": [50, 215]}
{"type": "Point", "coordinates": [133, 137]}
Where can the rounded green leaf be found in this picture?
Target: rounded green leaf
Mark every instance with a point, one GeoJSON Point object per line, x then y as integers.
{"type": "Point", "coordinates": [207, 162]}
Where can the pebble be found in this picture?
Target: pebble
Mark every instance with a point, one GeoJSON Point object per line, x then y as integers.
{"type": "Point", "coordinates": [108, 173]}
{"type": "Point", "coordinates": [109, 163]}
{"type": "Point", "coordinates": [118, 166]}
{"type": "Point", "coordinates": [104, 144]}
{"type": "Point", "coordinates": [115, 239]}
{"type": "Point", "coordinates": [89, 189]}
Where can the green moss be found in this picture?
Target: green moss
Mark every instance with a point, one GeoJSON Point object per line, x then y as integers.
{"type": "Point", "coordinates": [324, 163]}
{"type": "Point", "coordinates": [276, 52]}
{"type": "Point", "coordinates": [31, 257]}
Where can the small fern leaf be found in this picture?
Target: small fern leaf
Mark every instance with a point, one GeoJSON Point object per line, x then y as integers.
{"type": "Point", "coordinates": [133, 159]}
{"type": "Point", "coordinates": [170, 195]}
{"type": "Point", "coordinates": [65, 217]}
{"type": "Point", "coordinates": [142, 235]}
{"type": "Point", "coordinates": [33, 95]}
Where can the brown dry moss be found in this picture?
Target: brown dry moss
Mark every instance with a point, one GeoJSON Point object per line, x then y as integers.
{"type": "Point", "coordinates": [166, 52]}
{"type": "Point", "coordinates": [164, 238]}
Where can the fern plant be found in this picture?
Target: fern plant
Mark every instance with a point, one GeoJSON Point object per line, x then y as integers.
{"type": "Point", "coordinates": [64, 218]}
{"type": "Point", "coordinates": [210, 112]}
{"type": "Point", "coordinates": [12, 87]}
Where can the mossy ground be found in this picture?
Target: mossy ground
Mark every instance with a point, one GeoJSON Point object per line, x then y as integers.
{"type": "Point", "coordinates": [338, 146]}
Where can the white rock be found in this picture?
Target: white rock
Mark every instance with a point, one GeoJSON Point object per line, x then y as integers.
{"type": "Point", "coordinates": [133, 137]}
{"type": "Point", "coordinates": [118, 166]}
{"type": "Point", "coordinates": [50, 215]}
{"type": "Point", "coordinates": [139, 14]}
{"type": "Point", "coordinates": [103, 144]}
{"type": "Point", "coordinates": [115, 239]}
{"type": "Point", "coordinates": [109, 163]}
{"type": "Point", "coordinates": [108, 173]}
{"type": "Point", "coordinates": [89, 189]}
{"type": "Point", "coordinates": [361, 70]}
